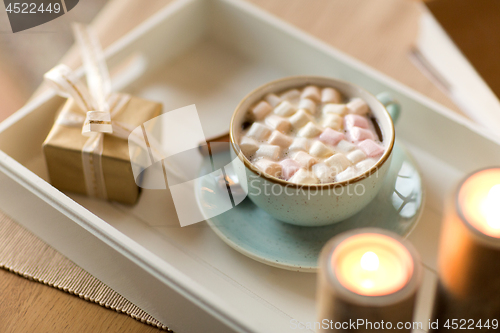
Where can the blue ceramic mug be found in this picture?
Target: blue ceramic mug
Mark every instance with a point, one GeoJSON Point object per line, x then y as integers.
{"type": "Point", "coordinates": [319, 204]}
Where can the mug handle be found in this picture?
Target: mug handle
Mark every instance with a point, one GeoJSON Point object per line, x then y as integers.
{"type": "Point", "coordinates": [392, 105]}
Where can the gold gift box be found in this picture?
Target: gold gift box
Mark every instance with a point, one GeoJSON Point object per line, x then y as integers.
{"type": "Point", "coordinates": [63, 152]}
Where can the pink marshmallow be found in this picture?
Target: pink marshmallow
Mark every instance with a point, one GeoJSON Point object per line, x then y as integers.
{"type": "Point", "coordinates": [304, 159]}
{"type": "Point", "coordinates": [354, 120]}
{"type": "Point", "coordinates": [331, 136]}
{"type": "Point", "coordinates": [371, 148]}
{"type": "Point", "coordinates": [289, 167]}
{"type": "Point", "coordinates": [360, 134]}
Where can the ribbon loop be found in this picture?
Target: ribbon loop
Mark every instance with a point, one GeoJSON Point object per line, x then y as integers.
{"type": "Point", "coordinates": [98, 80]}
{"type": "Point", "coordinates": [64, 82]}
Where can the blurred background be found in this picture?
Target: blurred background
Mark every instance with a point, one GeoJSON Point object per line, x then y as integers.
{"type": "Point", "coordinates": [382, 34]}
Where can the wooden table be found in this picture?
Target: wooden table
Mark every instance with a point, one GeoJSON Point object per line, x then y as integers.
{"type": "Point", "coordinates": [378, 33]}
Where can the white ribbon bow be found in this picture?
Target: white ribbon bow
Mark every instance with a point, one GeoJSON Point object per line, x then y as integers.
{"type": "Point", "coordinates": [101, 107]}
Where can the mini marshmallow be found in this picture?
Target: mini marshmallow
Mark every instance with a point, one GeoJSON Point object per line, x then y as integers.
{"type": "Point", "coordinates": [330, 95]}
{"type": "Point", "coordinates": [291, 95]}
{"type": "Point", "coordinates": [318, 149]}
{"type": "Point", "coordinates": [300, 144]}
{"type": "Point", "coordinates": [331, 137]}
{"type": "Point", "coordinates": [334, 121]}
{"type": "Point", "coordinates": [338, 163]}
{"type": "Point", "coordinates": [309, 131]}
{"type": "Point", "coordinates": [278, 123]}
{"type": "Point", "coordinates": [360, 134]}
{"type": "Point", "coordinates": [304, 159]}
{"type": "Point", "coordinates": [288, 168]}
{"type": "Point", "coordinates": [261, 110]}
{"type": "Point", "coordinates": [312, 93]}
{"type": "Point", "coordinates": [273, 100]}
{"type": "Point", "coordinates": [358, 106]}
{"type": "Point", "coordinates": [356, 156]}
{"type": "Point", "coordinates": [308, 105]}
{"type": "Point", "coordinates": [365, 165]}
{"type": "Point", "coordinates": [345, 146]}
{"type": "Point", "coordinates": [304, 177]}
{"type": "Point", "coordinates": [248, 146]}
{"type": "Point", "coordinates": [280, 139]}
{"type": "Point", "coordinates": [284, 109]}
{"type": "Point", "coordinates": [371, 148]}
{"type": "Point", "coordinates": [339, 109]}
{"type": "Point", "coordinates": [323, 172]}
{"type": "Point", "coordinates": [346, 175]}
{"type": "Point", "coordinates": [354, 120]}
{"type": "Point", "coordinates": [300, 118]}
{"type": "Point", "coordinates": [259, 132]}
{"type": "Point", "coordinates": [268, 151]}
{"type": "Point", "coordinates": [270, 167]}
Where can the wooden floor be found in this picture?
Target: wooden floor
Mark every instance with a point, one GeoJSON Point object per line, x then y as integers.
{"type": "Point", "coordinates": [378, 33]}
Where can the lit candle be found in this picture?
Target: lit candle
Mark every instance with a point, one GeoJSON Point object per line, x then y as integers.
{"type": "Point", "coordinates": [479, 201]}
{"type": "Point", "coordinates": [372, 264]}
{"type": "Point", "coordinates": [367, 274]}
{"type": "Point", "coordinates": [469, 252]}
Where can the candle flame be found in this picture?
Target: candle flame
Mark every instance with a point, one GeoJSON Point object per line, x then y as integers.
{"type": "Point", "coordinates": [369, 261]}
{"type": "Point", "coordinates": [367, 284]}
{"type": "Point", "coordinates": [491, 207]}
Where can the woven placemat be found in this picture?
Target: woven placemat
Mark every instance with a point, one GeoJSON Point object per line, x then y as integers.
{"type": "Point", "coordinates": [25, 254]}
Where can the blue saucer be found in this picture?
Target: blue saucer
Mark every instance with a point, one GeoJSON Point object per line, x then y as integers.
{"type": "Point", "coordinates": [256, 234]}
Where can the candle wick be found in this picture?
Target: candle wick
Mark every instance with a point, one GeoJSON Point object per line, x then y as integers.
{"type": "Point", "coordinates": [370, 261]}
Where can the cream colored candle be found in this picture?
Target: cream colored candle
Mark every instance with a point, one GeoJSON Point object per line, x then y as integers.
{"type": "Point", "coordinates": [372, 264]}
{"type": "Point", "coordinates": [469, 253]}
{"type": "Point", "coordinates": [369, 275]}
{"type": "Point", "coordinates": [479, 201]}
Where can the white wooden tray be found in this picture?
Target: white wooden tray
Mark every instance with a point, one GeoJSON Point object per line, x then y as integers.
{"type": "Point", "coordinates": [211, 53]}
